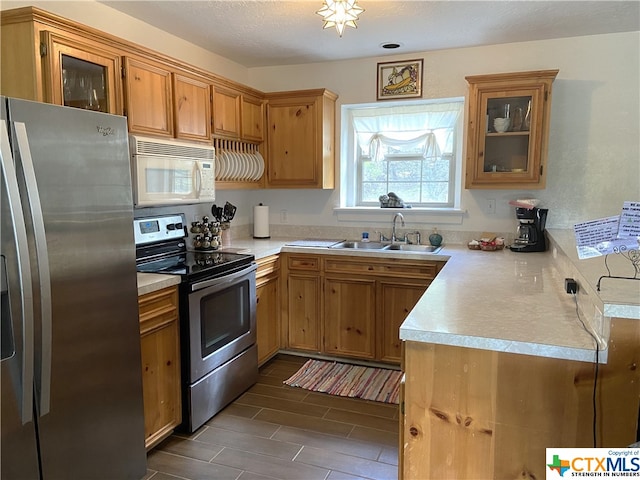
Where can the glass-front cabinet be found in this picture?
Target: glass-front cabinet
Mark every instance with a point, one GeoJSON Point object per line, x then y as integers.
{"type": "Point", "coordinates": [508, 129]}
{"type": "Point", "coordinates": [82, 75]}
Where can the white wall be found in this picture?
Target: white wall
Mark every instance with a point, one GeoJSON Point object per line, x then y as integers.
{"type": "Point", "coordinates": [594, 155]}
{"type": "Point", "coordinates": [594, 151]}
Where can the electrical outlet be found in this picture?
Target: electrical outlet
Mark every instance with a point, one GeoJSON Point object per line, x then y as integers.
{"type": "Point", "coordinates": [570, 285]}
{"type": "Point", "coordinates": [491, 206]}
{"type": "Point", "coordinates": [283, 216]}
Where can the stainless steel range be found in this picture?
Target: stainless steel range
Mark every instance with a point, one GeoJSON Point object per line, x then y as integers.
{"type": "Point", "coordinates": [217, 315]}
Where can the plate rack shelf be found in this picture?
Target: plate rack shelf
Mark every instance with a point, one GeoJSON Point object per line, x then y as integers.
{"type": "Point", "coordinates": [239, 164]}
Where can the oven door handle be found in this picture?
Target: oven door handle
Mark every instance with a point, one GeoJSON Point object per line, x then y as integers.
{"type": "Point", "coordinates": [223, 279]}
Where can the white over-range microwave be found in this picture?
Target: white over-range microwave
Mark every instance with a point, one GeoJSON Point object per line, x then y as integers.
{"type": "Point", "coordinates": [169, 172]}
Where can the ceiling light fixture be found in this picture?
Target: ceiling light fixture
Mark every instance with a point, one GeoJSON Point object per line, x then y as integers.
{"type": "Point", "coordinates": [340, 13]}
{"type": "Point", "coordinates": [391, 45]}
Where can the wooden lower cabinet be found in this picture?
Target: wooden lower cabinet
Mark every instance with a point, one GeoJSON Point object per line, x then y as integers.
{"type": "Point", "coordinates": [160, 346]}
{"type": "Point", "coordinates": [303, 308]}
{"type": "Point", "coordinates": [395, 300]}
{"type": "Point", "coordinates": [268, 307]}
{"type": "Point", "coordinates": [351, 306]}
{"type": "Point", "coordinates": [350, 317]}
{"type": "Point", "coordinates": [472, 413]}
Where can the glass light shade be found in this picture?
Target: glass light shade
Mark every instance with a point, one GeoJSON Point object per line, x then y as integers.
{"type": "Point", "coordinates": [340, 13]}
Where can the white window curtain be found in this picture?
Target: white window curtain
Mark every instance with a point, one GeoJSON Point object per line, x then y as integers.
{"type": "Point", "coordinates": [408, 126]}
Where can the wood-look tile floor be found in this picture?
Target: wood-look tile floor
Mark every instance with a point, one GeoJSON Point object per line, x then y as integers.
{"type": "Point", "coordinates": [278, 432]}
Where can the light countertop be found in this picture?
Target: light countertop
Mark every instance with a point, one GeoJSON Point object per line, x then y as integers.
{"type": "Point", "coordinates": [151, 282]}
{"type": "Point", "coordinates": [515, 302]}
{"type": "Point", "coordinates": [500, 301]}
{"type": "Point", "coordinates": [617, 297]}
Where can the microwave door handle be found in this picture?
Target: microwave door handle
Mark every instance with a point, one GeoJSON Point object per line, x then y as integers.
{"type": "Point", "coordinates": [198, 179]}
{"type": "Point", "coordinates": [24, 272]}
{"type": "Point", "coordinates": [44, 274]}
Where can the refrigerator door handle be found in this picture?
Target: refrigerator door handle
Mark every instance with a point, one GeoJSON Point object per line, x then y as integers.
{"type": "Point", "coordinates": [43, 389]}
{"type": "Point", "coordinates": [24, 273]}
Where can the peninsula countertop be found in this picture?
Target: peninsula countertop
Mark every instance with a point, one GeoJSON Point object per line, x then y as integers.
{"type": "Point", "coordinates": [516, 302]}
{"type": "Point", "coordinates": [500, 300]}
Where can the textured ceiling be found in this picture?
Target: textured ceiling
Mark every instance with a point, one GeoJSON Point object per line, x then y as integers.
{"type": "Point", "coordinates": [267, 33]}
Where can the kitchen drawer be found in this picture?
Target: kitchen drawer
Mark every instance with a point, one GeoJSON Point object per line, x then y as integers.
{"type": "Point", "coordinates": [386, 267]}
{"type": "Point", "coordinates": [304, 262]}
{"type": "Point", "coordinates": [157, 309]}
{"type": "Point", "coordinates": [267, 266]}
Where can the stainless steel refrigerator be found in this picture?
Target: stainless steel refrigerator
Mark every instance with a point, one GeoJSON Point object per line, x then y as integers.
{"type": "Point", "coordinates": [71, 405]}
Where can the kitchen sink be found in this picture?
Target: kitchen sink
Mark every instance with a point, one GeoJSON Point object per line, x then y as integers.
{"type": "Point", "coordinates": [361, 245]}
{"type": "Point", "coordinates": [413, 248]}
{"type": "Point", "coordinates": [393, 247]}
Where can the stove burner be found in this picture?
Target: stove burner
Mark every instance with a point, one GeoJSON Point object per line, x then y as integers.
{"type": "Point", "coordinates": [169, 255]}
{"type": "Point", "coordinates": [208, 259]}
{"type": "Point", "coordinates": [192, 265]}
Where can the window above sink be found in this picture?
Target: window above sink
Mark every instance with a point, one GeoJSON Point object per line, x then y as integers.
{"type": "Point", "coordinates": [412, 149]}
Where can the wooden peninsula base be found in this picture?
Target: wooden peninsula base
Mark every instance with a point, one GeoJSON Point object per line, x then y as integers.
{"type": "Point", "coordinates": [483, 414]}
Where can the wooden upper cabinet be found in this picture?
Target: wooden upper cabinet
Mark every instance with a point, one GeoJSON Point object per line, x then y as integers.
{"type": "Point", "coordinates": [508, 130]}
{"type": "Point", "coordinates": [192, 108]}
{"type": "Point", "coordinates": [252, 115]}
{"type": "Point", "coordinates": [148, 95]}
{"type": "Point", "coordinates": [81, 75]}
{"type": "Point", "coordinates": [226, 112]}
{"type": "Point", "coordinates": [301, 135]}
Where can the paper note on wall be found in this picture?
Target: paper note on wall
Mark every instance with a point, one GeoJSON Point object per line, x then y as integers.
{"type": "Point", "coordinates": [630, 220]}
{"type": "Point", "coordinates": [611, 234]}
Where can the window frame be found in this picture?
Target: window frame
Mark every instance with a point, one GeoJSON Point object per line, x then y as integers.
{"type": "Point", "coordinates": [351, 167]}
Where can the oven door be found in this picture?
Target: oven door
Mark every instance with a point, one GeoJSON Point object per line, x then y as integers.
{"type": "Point", "coordinates": [221, 319]}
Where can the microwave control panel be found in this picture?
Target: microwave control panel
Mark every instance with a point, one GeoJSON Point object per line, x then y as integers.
{"type": "Point", "coordinates": [208, 179]}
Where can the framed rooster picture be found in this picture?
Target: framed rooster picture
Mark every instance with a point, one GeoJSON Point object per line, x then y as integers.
{"type": "Point", "coordinates": [398, 80]}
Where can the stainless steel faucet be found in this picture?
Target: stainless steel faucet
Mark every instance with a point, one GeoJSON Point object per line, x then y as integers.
{"type": "Point", "coordinates": [417, 237]}
{"type": "Point", "coordinates": [393, 228]}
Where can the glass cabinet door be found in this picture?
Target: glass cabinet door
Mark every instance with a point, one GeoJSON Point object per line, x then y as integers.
{"type": "Point", "coordinates": [83, 84]}
{"type": "Point", "coordinates": [82, 75]}
{"type": "Point", "coordinates": [507, 132]}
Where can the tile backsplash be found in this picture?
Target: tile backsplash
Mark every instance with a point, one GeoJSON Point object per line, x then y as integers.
{"type": "Point", "coordinates": [451, 237]}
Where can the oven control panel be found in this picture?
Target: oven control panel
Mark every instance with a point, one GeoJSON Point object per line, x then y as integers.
{"type": "Point", "coordinates": [157, 229]}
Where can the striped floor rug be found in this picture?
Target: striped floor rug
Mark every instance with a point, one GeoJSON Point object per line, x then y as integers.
{"type": "Point", "coordinates": [378, 384]}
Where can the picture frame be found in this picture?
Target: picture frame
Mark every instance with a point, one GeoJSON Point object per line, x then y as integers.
{"type": "Point", "coordinates": [397, 80]}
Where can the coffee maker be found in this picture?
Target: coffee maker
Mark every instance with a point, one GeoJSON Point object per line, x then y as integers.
{"type": "Point", "coordinates": [530, 236]}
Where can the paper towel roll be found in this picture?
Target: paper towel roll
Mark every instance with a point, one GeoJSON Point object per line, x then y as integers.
{"type": "Point", "coordinates": [261, 221]}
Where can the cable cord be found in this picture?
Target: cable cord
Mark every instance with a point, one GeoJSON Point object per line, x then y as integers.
{"type": "Point", "coordinates": [595, 374]}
